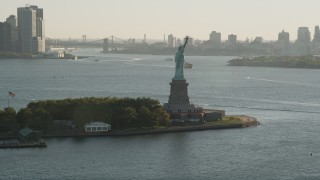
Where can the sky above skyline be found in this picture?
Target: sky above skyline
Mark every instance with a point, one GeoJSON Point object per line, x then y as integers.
{"type": "Point", "coordinates": [196, 18]}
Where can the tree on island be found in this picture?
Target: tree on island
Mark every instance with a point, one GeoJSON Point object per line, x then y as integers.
{"type": "Point", "coordinates": [7, 120]}
{"type": "Point", "coordinates": [121, 113]}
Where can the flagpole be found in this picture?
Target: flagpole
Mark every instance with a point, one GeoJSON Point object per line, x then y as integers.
{"type": "Point", "coordinates": [12, 95]}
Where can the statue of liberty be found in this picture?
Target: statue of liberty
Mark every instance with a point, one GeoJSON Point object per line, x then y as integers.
{"type": "Point", "coordinates": [179, 59]}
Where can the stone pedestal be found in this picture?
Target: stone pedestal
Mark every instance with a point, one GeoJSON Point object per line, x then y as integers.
{"type": "Point", "coordinates": [179, 93]}
{"type": "Point", "coordinates": [179, 99]}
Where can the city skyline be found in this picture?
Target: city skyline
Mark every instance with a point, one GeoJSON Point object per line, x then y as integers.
{"type": "Point", "coordinates": [127, 19]}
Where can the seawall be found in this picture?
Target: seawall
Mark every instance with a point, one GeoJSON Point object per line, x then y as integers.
{"type": "Point", "coordinates": [242, 121]}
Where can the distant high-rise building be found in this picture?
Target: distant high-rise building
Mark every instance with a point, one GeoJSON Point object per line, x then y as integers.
{"type": "Point", "coordinates": [303, 35]}
{"type": "Point", "coordinates": [232, 39]}
{"type": "Point", "coordinates": [38, 40]}
{"type": "Point", "coordinates": [105, 45]}
{"type": "Point", "coordinates": [40, 31]}
{"type": "Point", "coordinates": [31, 29]}
{"type": "Point", "coordinates": [144, 38]}
{"type": "Point", "coordinates": [197, 42]}
{"type": "Point", "coordinates": [26, 28]}
{"type": "Point", "coordinates": [257, 40]}
{"type": "Point", "coordinates": [302, 45]}
{"type": "Point", "coordinates": [12, 21]}
{"type": "Point", "coordinates": [316, 37]}
{"type": "Point", "coordinates": [178, 42]}
{"type": "Point", "coordinates": [14, 31]}
{"type": "Point", "coordinates": [190, 42]}
{"type": "Point", "coordinates": [5, 36]}
{"type": "Point", "coordinates": [40, 28]}
{"type": "Point", "coordinates": [284, 37]}
{"type": "Point", "coordinates": [315, 48]}
{"type": "Point", "coordinates": [170, 41]}
{"type": "Point", "coordinates": [283, 43]}
{"type": "Point", "coordinates": [215, 38]}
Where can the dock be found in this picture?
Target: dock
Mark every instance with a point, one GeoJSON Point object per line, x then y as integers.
{"type": "Point", "coordinates": [40, 144]}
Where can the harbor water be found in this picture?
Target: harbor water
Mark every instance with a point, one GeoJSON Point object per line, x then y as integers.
{"type": "Point", "coordinates": [286, 101]}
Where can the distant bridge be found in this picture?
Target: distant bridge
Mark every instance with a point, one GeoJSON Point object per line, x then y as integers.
{"type": "Point", "coordinates": [109, 44]}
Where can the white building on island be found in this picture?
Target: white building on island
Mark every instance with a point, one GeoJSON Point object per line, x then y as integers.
{"type": "Point", "coordinates": [97, 127]}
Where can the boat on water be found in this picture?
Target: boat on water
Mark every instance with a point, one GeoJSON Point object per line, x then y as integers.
{"type": "Point", "coordinates": [169, 59]}
{"type": "Point", "coordinates": [74, 58]}
{"type": "Point", "coordinates": [188, 65]}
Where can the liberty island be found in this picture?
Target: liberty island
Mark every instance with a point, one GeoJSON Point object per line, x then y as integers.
{"type": "Point", "coordinates": [140, 113]}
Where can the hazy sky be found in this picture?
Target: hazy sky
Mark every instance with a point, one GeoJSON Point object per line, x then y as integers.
{"type": "Point", "coordinates": [196, 18]}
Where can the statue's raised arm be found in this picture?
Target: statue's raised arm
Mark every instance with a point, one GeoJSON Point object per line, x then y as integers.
{"type": "Point", "coordinates": [185, 43]}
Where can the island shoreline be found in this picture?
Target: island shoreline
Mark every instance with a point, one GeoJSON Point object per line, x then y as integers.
{"type": "Point", "coordinates": [245, 121]}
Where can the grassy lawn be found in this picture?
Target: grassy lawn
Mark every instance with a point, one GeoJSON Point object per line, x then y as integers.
{"type": "Point", "coordinates": [227, 120]}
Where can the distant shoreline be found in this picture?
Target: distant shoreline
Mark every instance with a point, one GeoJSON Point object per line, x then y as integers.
{"type": "Point", "coordinates": [308, 61]}
{"type": "Point", "coordinates": [235, 122]}
{"type": "Point", "coordinates": [32, 58]}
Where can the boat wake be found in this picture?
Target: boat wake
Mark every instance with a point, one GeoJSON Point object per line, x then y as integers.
{"type": "Point", "coordinates": [272, 101]}
{"type": "Point", "coordinates": [265, 102]}
{"type": "Point", "coordinates": [283, 82]}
